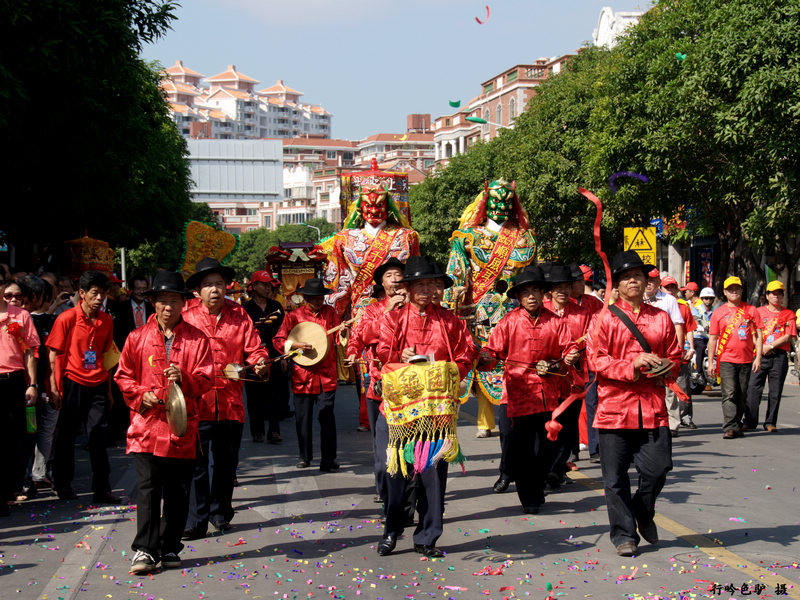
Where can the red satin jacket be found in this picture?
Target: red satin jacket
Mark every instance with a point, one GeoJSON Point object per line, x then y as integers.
{"type": "Point", "coordinates": [577, 318]}
{"type": "Point", "coordinates": [233, 339]}
{"type": "Point", "coordinates": [432, 333]}
{"type": "Point", "coordinates": [322, 376]}
{"type": "Point", "coordinates": [519, 337]}
{"type": "Point", "coordinates": [364, 338]}
{"type": "Point", "coordinates": [141, 369]}
{"type": "Point", "coordinates": [623, 401]}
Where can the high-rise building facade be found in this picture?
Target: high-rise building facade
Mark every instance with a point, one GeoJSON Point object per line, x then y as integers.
{"type": "Point", "coordinates": [228, 106]}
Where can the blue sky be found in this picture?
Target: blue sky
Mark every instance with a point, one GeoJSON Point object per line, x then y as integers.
{"type": "Point", "coordinates": [372, 62]}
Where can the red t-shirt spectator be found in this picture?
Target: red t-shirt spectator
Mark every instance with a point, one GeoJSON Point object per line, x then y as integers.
{"type": "Point", "coordinates": [776, 325]}
{"type": "Point", "coordinates": [740, 347]}
{"type": "Point", "coordinates": [73, 334]}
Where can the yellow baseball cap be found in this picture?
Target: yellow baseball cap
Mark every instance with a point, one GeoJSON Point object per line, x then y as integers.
{"type": "Point", "coordinates": [775, 285]}
{"type": "Point", "coordinates": [731, 281]}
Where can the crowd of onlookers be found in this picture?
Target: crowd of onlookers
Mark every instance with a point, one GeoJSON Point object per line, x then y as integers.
{"type": "Point", "coordinates": [702, 319]}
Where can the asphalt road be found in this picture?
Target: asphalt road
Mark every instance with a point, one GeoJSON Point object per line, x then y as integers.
{"type": "Point", "coordinates": [728, 516]}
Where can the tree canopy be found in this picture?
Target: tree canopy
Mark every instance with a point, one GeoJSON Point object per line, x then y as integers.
{"type": "Point", "coordinates": [702, 96]}
{"type": "Point", "coordinates": [91, 145]}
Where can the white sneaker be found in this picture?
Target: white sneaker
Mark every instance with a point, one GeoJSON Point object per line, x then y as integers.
{"type": "Point", "coordinates": [583, 447]}
{"type": "Point", "coordinates": [142, 563]}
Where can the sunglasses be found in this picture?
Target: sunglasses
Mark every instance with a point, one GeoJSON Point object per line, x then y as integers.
{"type": "Point", "coordinates": [10, 296]}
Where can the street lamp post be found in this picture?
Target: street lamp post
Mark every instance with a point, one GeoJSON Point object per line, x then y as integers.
{"type": "Point", "coordinates": [319, 233]}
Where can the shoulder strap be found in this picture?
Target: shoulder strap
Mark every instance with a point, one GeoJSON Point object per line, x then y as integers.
{"type": "Point", "coordinates": [626, 320]}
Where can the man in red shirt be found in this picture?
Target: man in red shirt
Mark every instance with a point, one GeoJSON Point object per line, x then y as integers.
{"type": "Point", "coordinates": [576, 317]}
{"type": "Point", "coordinates": [233, 340]}
{"type": "Point", "coordinates": [684, 409]}
{"type": "Point", "coordinates": [734, 343]}
{"type": "Point", "coordinates": [163, 352]}
{"type": "Point", "coordinates": [80, 386]}
{"type": "Point", "coordinates": [528, 334]}
{"type": "Point", "coordinates": [315, 384]}
{"type": "Point", "coordinates": [631, 413]}
{"type": "Point", "coordinates": [592, 304]}
{"type": "Point", "coordinates": [779, 329]}
{"type": "Point", "coordinates": [420, 328]}
{"type": "Point", "coordinates": [364, 342]}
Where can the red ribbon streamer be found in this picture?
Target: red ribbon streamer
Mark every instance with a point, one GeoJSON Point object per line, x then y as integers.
{"type": "Point", "coordinates": [553, 426]}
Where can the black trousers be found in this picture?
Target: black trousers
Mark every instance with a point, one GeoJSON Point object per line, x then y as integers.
{"type": "Point", "coordinates": [650, 451]}
{"type": "Point", "coordinates": [168, 479]}
{"type": "Point", "coordinates": [734, 381]}
{"type": "Point", "coordinates": [12, 436]}
{"type": "Point", "coordinates": [380, 442]}
{"type": "Point", "coordinates": [568, 439]}
{"type": "Point", "coordinates": [268, 401]}
{"type": "Point", "coordinates": [87, 407]}
{"type": "Point", "coordinates": [529, 455]}
{"type": "Point", "coordinates": [591, 410]}
{"type": "Point", "coordinates": [774, 367]}
{"type": "Point", "coordinates": [504, 424]}
{"type": "Point", "coordinates": [304, 416]}
{"type": "Point", "coordinates": [430, 487]}
{"type": "Point", "coordinates": [379, 454]}
{"type": "Point", "coordinates": [211, 496]}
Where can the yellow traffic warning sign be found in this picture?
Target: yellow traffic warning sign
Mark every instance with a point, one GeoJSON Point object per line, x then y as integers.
{"type": "Point", "coordinates": [641, 240]}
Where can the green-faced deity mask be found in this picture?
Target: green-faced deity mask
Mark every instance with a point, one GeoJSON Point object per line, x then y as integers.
{"type": "Point", "coordinates": [500, 203]}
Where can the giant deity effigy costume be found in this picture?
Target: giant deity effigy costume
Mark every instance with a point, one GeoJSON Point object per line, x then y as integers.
{"type": "Point", "coordinates": [491, 245]}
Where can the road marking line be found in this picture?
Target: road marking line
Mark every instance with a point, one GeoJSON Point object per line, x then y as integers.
{"type": "Point", "coordinates": [77, 565]}
{"type": "Point", "coordinates": [703, 543]}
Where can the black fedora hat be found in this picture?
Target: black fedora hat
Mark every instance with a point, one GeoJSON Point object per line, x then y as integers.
{"type": "Point", "coordinates": [205, 267]}
{"type": "Point", "coordinates": [314, 287]}
{"type": "Point", "coordinates": [422, 267]}
{"type": "Point", "coordinates": [558, 274]}
{"type": "Point", "coordinates": [530, 275]}
{"type": "Point", "coordinates": [392, 263]}
{"type": "Point", "coordinates": [628, 260]}
{"type": "Point", "coordinates": [167, 281]}
{"type": "Point", "coordinates": [575, 271]}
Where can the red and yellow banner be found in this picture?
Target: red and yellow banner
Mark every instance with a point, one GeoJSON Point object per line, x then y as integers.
{"type": "Point", "coordinates": [497, 261]}
{"type": "Point", "coordinates": [376, 255]}
{"type": "Point", "coordinates": [732, 326]}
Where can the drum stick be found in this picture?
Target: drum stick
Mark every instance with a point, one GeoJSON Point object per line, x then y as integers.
{"type": "Point", "coordinates": [341, 326]}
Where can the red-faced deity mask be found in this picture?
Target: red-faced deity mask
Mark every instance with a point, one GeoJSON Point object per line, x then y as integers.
{"type": "Point", "coordinates": [373, 205]}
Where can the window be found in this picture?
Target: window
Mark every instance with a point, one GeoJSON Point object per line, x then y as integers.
{"type": "Point", "coordinates": [347, 155]}
{"type": "Point", "coordinates": [486, 118]}
{"type": "Point", "coordinates": [499, 113]}
{"type": "Point", "coordinates": [268, 221]}
{"type": "Point", "coordinates": [447, 122]}
{"type": "Point", "coordinates": [513, 76]}
{"type": "Point", "coordinates": [330, 154]}
{"type": "Point", "coordinates": [488, 88]}
{"type": "Point", "coordinates": [512, 109]}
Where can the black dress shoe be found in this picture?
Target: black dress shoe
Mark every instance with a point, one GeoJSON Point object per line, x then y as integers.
{"type": "Point", "coordinates": [221, 526]}
{"type": "Point", "coordinates": [648, 531]}
{"type": "Point", "coordinates": [329, 467]}
{"type": "Point", "coordinates": [193, 533]}
{"type": "Point", "coordinates": [531, 509]}
{"type": "Point", "coordinates": [66, 494]}
{"type": "Point", "coordinates": [387, 544]}
{"type": "Point", "coordinates": [429, 551]}
{"type": "Point", "coordinates": [106, 498]}
{"type": "Point", "coordinates": [501, 485]}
